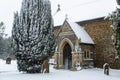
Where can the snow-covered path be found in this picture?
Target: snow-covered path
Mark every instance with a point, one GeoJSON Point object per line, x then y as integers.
{"type": "Point", "coordinates": [10, 72]}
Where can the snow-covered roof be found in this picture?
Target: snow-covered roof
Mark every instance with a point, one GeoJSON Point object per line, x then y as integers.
{"type": "Point", "coordinates": [100, 8]}
{"type": "Point", "coordinates": [80, 32]}
{"type": "Point", "coordinates": [59, 18]}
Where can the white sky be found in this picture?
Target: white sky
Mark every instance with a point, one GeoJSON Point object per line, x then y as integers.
{"type": "Point", "coordinates": [8, 7]}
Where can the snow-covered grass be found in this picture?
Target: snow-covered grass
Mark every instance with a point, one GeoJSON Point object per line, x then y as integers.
{"type": "Point", "coordinates": [10, 72]}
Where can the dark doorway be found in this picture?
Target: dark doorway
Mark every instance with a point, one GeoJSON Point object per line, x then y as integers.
{"type": "Point", "coordinates": [67, 56]}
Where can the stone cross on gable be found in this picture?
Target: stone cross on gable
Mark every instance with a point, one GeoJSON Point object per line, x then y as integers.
{"type": "Point", "coordinates": [58, 8]}
{"type": "Point", "coordinates": [66, 16]}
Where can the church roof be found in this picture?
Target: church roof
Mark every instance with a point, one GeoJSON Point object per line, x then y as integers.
{"type": "Point", "coordinates": [80, 32]}
{"type": "Point", "coordinates": [94, 10]}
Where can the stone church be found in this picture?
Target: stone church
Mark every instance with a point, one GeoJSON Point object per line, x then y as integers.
{"type": "Point", "coordinates": [85, 43]}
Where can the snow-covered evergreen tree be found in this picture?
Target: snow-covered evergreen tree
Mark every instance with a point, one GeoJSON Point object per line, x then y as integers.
{"type": "Point", "coordinates": [2, 29]}
{"type": "Point", "coordinates": [115, 18]}
{"type": "Point", "coordinates": [33, 35]}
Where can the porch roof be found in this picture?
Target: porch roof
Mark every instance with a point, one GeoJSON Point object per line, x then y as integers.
{"type": "Point", "coordinates": [80, 32]}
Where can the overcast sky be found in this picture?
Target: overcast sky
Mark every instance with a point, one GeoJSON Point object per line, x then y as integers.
{"type": "Point", "coordinates": [8, 7]}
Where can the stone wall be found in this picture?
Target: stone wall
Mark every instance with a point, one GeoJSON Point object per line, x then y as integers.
{"type": "Point", "coordinates": [101, 32]}
{"type": "Point", "coordinates": [56, 30]}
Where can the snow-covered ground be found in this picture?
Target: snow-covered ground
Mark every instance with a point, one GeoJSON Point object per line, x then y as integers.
{"type": "Point", "coordinates": [10, 72]}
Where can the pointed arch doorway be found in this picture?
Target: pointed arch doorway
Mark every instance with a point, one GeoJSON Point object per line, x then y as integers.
{"type": "Point", "coordinates": [67, 56]}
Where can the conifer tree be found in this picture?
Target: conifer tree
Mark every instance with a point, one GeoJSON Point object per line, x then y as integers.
{"type": "Point", "coordinates": [2, 29]}
{"type": "Point", "coordinates": [33, 35]}
{"type": "Point", "coordinates": [115, 18]}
